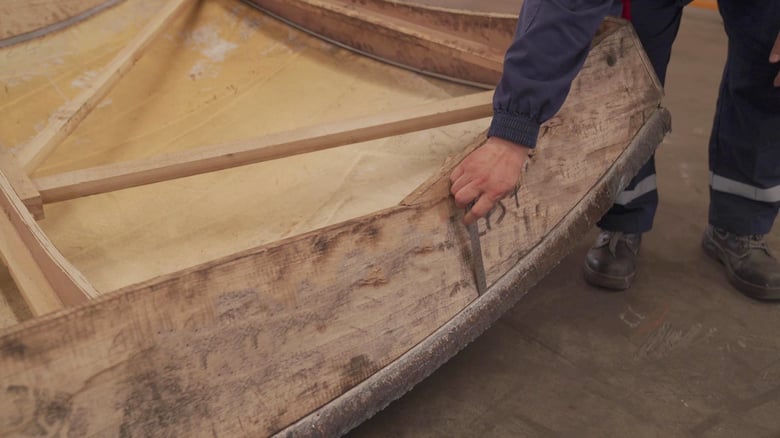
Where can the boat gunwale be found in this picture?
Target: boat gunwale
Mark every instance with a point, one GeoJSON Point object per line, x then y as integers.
{"type": "Point", "coordinates": [372, 395]}
{"type": "Point", "coordinates": [470, 61]}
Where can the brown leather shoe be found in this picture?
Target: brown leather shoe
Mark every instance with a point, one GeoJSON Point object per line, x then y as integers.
{"type": "Point", "coordinates": [750, 266]}
{"type": "Point", "coordinates": [611, 262]}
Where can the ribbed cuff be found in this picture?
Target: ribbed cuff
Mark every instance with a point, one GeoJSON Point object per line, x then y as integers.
{"type": "Point", "coordinates": [516, 128]}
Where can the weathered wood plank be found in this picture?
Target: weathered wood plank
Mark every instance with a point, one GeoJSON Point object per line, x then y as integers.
{"type": "Point", "coordinates": [205, 159]}
{"type": "Point", "coordinates": [504, 245]}
{"type": "Point", "coordinates": [247, 344]}
{"type": "Point", "coordinates": [393, 381]}
{"type": "Point", "coordinates": [68, 117]}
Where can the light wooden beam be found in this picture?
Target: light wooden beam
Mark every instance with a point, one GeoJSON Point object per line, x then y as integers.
{"type": "Point", "coordinates": [67, 118]}
{"type": "Point", "coordinates": [22, 185]}
{"type": "Point", "coordinates": [44, 277]}
{"type": "Point", "coordinates": [33, 285]}
{"type": "Point", "coordinates": [119, 176]}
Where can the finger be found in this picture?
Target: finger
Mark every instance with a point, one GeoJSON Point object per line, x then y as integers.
{"type": "Point", "coordinates": [483, 205]}
{"type": "Point", "coordinates": [464, 196]}
{"type": "Point", "coordinates": [774, 57]}
{"type": "Point", "coordinates": [457, 173]}
{"type": "Point", "coordinates": [462, 182]}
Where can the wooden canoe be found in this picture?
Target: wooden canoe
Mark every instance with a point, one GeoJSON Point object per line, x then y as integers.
{"type": "Point", "coordinates": [177, 289]}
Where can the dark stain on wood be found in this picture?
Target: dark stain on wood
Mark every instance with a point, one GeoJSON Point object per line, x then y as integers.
{"type": "Point", "coordinates": [459, 286]}
{"type": "Point", "coordinates": [423, 249]}
{"type": "Point", "coordinates": [50, 413]}
{"type": "Point", "coordinates": [358, 369]}
{"type": "Point", "coordinates": [160, 401]}
{"type": "Point", "coordinates": [321, 244]}
{"type": "Point", "coordinates": [376, 277]}
{"type": "Point", "coordinates": [13, 348]}
{"type": "Point", "coordinates": [236, 306]}
{"type": "Point", "coordinates": [373, 232]}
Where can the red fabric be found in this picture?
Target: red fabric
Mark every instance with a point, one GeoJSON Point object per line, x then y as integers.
{"type": "Point", "coordinates": [627, 9]}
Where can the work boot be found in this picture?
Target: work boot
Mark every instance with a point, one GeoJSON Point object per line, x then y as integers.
{"type": "Point", "coordinates": [750, 266]}
{"type": "Point", "coordinates": [611, 262]}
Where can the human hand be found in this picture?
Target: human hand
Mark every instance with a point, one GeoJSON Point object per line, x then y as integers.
{"type": "Point", "coordinates": [774, 57]}
{"type": "Point", "coordinates": [487, 175]}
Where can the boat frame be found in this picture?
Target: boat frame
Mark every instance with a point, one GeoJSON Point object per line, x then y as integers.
{"type": "Point", "coordinates": [132, 338]}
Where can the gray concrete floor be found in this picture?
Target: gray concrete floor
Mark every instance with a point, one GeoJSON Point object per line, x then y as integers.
{"type": "Point", "coordinates": [680, 354]}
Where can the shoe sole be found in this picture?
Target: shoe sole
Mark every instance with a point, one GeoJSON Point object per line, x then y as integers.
{"type": "Point", "coordinates": [607, 281]}
{"type": "Point", "coordinates": [755, 291]}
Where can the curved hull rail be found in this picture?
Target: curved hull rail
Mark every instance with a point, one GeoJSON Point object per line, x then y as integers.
{"type": "Point", "coordinates": [459, 46]}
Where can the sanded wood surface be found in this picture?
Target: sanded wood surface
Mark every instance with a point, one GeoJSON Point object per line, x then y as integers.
{"type": "Point", "coordinates": [278, 330]}
{"type": "Point", "coordinates": [24, 19]}
{"type": "Point", "coordinates": [45, 278]}
{"type": "Point", "coordinates": [223, 74]}
{"type": "Point", "coordinates": [36, 290]}
{"type": "Point", "coordinates": [69, 116]}
{"type": "Point", "coordinates": [454, 44]}
{"type": "Point", "coordinates": [205, 159]}
{"type": "Point", "coordinates": [23, 186]}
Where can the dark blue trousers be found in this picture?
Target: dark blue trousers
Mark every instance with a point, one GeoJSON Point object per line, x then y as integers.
{"type": "Point", "coordinates": [745, 140]}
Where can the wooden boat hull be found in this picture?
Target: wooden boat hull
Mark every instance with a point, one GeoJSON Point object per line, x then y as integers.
{"type": "Point", "coordinates": [309, 335]}
{"type": "Point", "coordinates": [396, 379]}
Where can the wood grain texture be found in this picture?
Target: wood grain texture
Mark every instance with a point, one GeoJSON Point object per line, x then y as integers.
{"type": "Point", "coordinates": [45, 279]}
{"type": "Point", "coordinates": [21, 20]}
{"type": "Point", "coordinates": [23, 186]}
{"type": "Point", "coordinates": [76, 184]}
{"type": "Point", "coordinates": [395, 380]}
{"type": "Point", "coordinates": [247, 344]}
{"type": "Point", "coordinates": [31, 281]}
{"type": "Point", "coordinates": [124, 237]}
{"type": "Point", "coordinates": [452, 44]}
{"type": "Point", "coordinates": [68, 117]}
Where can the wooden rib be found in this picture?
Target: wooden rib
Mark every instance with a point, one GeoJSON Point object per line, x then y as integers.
{"type": "Point", "coordinates": [208, 159]}
{"type": "Point", "coordinates": [32, 283]}
{"type": "Point", "coordinates": [22, 185]}
{"type": "Point", "coordinates": [409, 36]}
{"type": "Point", "coordinates": [249, 343]}
{"type": "Point", "coordinates": [68, 117]}
{"type": "Point", "coordinates": [44, 277]}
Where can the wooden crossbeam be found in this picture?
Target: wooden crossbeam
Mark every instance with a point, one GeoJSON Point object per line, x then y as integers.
{"type": "Point", "coordinates": [128, 174]}
{"type": "Point", "coordinates": [66, 119]}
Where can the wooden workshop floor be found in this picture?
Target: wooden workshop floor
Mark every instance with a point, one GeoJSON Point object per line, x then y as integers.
{"type": "Point", "coordinates": [680, 354]}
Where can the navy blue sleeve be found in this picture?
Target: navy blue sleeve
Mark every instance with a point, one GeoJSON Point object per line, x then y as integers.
{"type": "Point", "coordinates": [551, 43]}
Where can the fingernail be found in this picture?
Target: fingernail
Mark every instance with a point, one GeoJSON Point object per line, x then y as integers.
{"type": "Point", "coordinates": [775, 57]}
